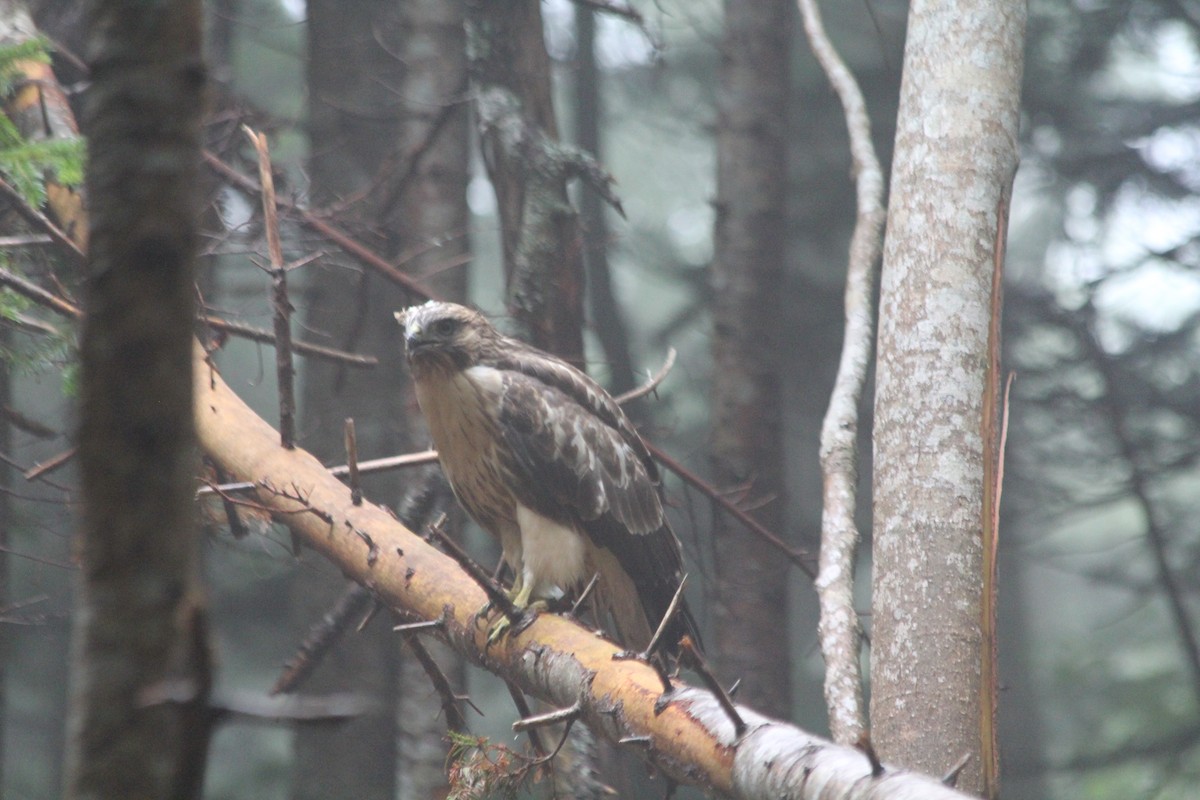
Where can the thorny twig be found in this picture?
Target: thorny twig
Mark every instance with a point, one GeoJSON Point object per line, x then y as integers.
{"type": "Point", "coordinates": [284, 368]}
{"type": "Point", "coordinates": [518, 699]}
{"type": "Point", "coordinates": [798, 556]}
{"type": "Point", "coordinates": [356, 495]}
{"type": "Point", "coordinates": [455, 720]}
{"type": "Point", "coordinates": [50, 464]}
{"type": "Point", "coordinates": [321, 637]}
{"type": "Point", "coordinates": [650, 385]}
{"type": "Point", "coordinates": [365, 467]}
{"type": "Point", "coordinates": [298, 497]}
{"type": "Point", "coordinates": [496, 596]}
{"type": "Point", "coordinates": [693, 659]}
{"type": "Point", "coordinates": [311, 220]}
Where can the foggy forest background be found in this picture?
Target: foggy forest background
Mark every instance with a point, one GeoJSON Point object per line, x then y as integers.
{"type": "Point", "coordinates": [1099, 551]}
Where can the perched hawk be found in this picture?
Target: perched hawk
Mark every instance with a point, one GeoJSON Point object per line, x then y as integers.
{"type": "Point", "coordinates": [545, 460]}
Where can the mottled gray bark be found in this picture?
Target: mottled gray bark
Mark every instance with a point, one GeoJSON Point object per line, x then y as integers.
{"type": "Point", "coordinates": [956, 152]}
{"type": "Point", "coordinates": [529, 168]}
{"type": "Point", "coordinates": [138, 630]}
{"type": "Point", "coordinates": [747, 275]}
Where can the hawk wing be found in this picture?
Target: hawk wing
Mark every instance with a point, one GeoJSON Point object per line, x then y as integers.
{"type": "Point", "coordinates": [577, 459]}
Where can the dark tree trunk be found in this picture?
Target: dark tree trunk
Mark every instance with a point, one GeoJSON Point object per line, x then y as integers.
{"type": "Point", "coordinates": [748, 270]}
{"type": "Point", "coordinates": [139, 629]}
{"type": "Point", "coordinates": [388, 125]}
{"type": "Point", "coordinates": [353, 119]}
{"type": "Point", "coordinates": [607, 319]}
{"type": "Point", "coordinates": [543, 258]}
{"type": "Point", "coordinates": [430, 220]}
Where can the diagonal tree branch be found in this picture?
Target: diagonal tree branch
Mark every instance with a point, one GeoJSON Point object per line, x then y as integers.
{"type": "Point", "coordinates": [689, 736]}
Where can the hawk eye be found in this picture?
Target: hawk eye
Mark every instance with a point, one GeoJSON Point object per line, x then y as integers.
{"type": "Point", "coordinates": [444, 327]}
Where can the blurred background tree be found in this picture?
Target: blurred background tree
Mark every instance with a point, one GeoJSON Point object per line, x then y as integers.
{"type": "Point", "coordinates": [1099, 662]}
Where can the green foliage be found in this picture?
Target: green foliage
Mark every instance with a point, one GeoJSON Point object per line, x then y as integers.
{"type": "Point", "coordinates": [27, 165]}
{"type": "Point", "coordinates": [35, 49]}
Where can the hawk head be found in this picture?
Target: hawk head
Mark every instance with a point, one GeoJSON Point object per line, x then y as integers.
{"type": "Point", "coordinates": [444, 337]}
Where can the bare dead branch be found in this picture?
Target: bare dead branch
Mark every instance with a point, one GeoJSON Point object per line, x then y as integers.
{"type": "Point", "coordinates": [31, 291]}
{"type": "Point", "coordinates": [568, 714]}
{"type": "Point", "coordinates": [321, 637]}
{"type": "Point", "coordinates": [413, 627]}
{"type": "Point", "coordinates": [456, 721]}
{"type": "Point", "coordinates": [652, 384]}
{"type": "Point", "coordinates": [356, 495]}
{"type": "Point", "coordinates": [585, 594]}
{"type": "Point", "coordinates": [496, 595]}
{"type": "Point", "coordinates": [236, 527]}
{"type": "Point", "coordinates": [304, 348]}
{"type": "Point", "coordinates": [25, 241]}
{"type": "Point", "coordinates": [364, 468]}
{"type": "Point", "coordinates": [518, 698]}
{"type": "Point", "coordinates": [691, 655]}
{"type": "Point", "coordinates": [797, 555]}
{"type": "Point", "coordinates": [327, 230]}
{"type": "Point", "coordinates": [43, 223]}
{"type": "Point", "coordinates": [27, 423]}
{"type": "Point", "coordinates": [50, 464]}
{"type": "Point", "coordinates": [285, 370]}
{"type": "Point", "coordinates": [839, 629]}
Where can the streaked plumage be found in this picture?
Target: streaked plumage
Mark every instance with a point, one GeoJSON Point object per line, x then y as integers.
{"type": "Point", "coordinates": [545, 460]}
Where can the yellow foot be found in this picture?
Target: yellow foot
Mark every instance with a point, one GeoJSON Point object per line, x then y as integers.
{"type": "Point", "coordinates": [527, 609]}
{"type": "Point", "coordinates": [503, 625]}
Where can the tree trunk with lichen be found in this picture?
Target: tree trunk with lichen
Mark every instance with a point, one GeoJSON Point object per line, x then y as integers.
{"type": "Point", "coordinates": [748, 268]}
{"type": "Point", "coordinates": [529, 168]}
{"type": "Point", "coordinates": [139, 629]}
{"type": "Point", "coordinates": [956, 153]}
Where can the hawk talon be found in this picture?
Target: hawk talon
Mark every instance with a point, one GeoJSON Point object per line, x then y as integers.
{"type": "Point", "coordinates": [504, 625]}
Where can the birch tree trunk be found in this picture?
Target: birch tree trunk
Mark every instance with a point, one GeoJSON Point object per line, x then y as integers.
{"type": "Point", "coordinates": [139, 630]}
{"type": "Point", "coordinates": [956, 152]}
{"type": "Point", "coordinates": [748, 267]}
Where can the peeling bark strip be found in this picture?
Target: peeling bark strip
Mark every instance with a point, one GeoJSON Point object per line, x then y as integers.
{"type": "Point", "coordinates": [691, 738]}
{"type": "Point", "coordinates": [956, 150]}
{"type": "Point", "coordinates": [140, 627]}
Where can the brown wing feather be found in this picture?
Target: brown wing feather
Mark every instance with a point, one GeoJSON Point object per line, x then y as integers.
{"type": "Point", "coordinates": [572, 466]}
